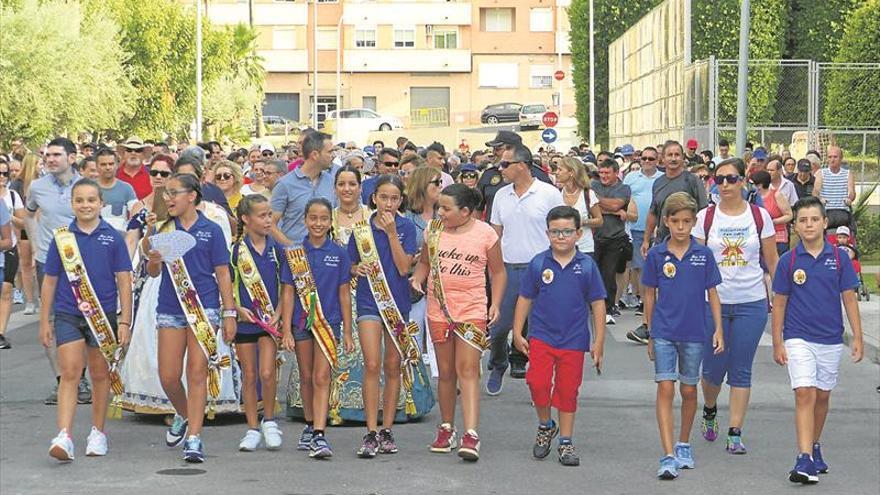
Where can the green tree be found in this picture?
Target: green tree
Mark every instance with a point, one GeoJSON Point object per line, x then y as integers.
{"type": "Point", "coordinates": [62, 71]}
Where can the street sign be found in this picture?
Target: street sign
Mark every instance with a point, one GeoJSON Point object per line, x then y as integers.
{"type": "Point", "coordinates": [550, 119]}
{"type": "Point", "coordinates": [549, 135]}
{"type": "Point", "coordinates": [559, 75]}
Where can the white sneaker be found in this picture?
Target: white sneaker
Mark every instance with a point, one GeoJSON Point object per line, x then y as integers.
{"type": "Point", "coordinates": [17, 297]}
{"type": "Point", "coordinates": [271, 434]}
{"type": "Point", "coordinates": [609, 320]}
{"type": "Point", "coordinates": [250, 442]}
{"type": "Point", "coordinates": [97, 445]}
{"type": "Point", "coordinates": [62, 447]}
{"type": "Point", "coordinates": [30, 309]}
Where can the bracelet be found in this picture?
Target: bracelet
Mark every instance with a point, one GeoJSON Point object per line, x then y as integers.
{"type": "Point", "coordinates": [230, 313]}
{"type": "Point", "coordinates": [123, 323]}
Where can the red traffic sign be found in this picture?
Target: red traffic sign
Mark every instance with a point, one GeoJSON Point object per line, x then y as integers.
{"type": "Point", "coordinates": [559, 75]}
{"type": "Point", "coordinates": [550, 119]}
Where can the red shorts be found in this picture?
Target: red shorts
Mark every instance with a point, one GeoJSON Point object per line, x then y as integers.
{"type": "Point", "coordinates": [554, 376]}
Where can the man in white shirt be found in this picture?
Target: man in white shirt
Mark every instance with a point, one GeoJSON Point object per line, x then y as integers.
{"type": "Point", "coordinates": [519, 212]}
{"type": "Point", "coordinates": [779, 183]}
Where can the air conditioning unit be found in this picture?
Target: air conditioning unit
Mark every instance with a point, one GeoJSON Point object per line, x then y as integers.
{"type": "Point", "coordinates": [429, 29]}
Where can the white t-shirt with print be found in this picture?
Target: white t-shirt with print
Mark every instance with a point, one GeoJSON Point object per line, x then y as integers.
{"type": "Point", "coordinates": [735, 244]}
{"type": "Point", "coordinates": [585, 244]}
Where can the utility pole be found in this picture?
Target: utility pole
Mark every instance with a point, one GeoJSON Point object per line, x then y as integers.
{"type": "Point", "coordinates": [742, 79]}
{"type": "Point", "coordinates": [198, 70]}
{"type": "Point", "coordinates": [592, 82]}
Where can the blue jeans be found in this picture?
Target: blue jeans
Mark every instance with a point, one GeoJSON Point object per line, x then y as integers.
{"type": "Point", "coordinates": [743, 324]}
{"type": "Point", "coordinates": [500, 352]}
{"type": "Point", "coordinates": [689, 356]}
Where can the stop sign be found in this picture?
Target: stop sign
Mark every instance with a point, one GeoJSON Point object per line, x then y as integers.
{"type": "Point", "coordinates": [550, 119]}
{"type": "Point", "coordinates": [559, 75]}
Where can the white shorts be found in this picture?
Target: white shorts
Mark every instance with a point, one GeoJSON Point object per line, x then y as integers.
{"type": "Point", "coordinates": [813, 365]}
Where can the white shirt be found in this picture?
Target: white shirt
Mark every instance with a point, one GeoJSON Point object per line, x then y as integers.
{"type": "Point", "coordinates": [787, 189]}
{"type": "Point", "coordinates": [585, 244]}
{"type": "Point", "coordinates": [524, 219]}
{"type": "Point", "coordinates": [18, 204]}
{"type": "Point", "coordinates": [734, 243]}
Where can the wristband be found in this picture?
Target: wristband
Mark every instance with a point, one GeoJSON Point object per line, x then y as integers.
{"type": "Point", "coordinates": [230, 313]}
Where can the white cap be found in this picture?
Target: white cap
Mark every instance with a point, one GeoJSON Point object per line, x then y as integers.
{"type": "Point", "coordinates": [267, 147]}
{"type": "Point", "coordinates": [843, 230]}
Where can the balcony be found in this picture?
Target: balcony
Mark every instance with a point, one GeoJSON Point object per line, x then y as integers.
{"type": "Point", "coordinates": [285, 60]}
{"type": "Point", "coordinates": [418, 13]}
{"type": "Point", "coordinates": [274, 14]}
{"type": "Point", "coordinates": [407, 60]}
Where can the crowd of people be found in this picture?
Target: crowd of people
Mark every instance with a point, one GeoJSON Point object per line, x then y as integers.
{"type": "Point", "coordinates": [149, 260]}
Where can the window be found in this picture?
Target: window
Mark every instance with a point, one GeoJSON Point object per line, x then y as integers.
{"type": "Point", "coordinates": [283, 38]}
{"type": "Point", "coordinates": [541, 20]}
{"type": "Point", "coordinates": [365, 38]}
{"type": "Point", "coordinates": [495, 75]}
{"type": "Point", "coordinates": [497, 20]}
{"type": "Point", "coordinates": [541, 76]}
{"type": "Point", "coordinates": [328, 38]}
{"type": "Point", "coordinates": [369, 102]}
{"type": "Point", "coordinates": [446, 39]}
{"type": "Point", "coordinates": [404, 37]}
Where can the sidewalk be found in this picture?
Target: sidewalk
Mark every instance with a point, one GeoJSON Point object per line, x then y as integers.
{"type": "Point", "coordinates": [870, 316]}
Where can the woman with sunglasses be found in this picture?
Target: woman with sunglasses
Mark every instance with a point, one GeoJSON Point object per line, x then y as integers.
{"type": "Point", "coordinates": [229, 178]}
{"type": "Point", "coordinates": [742, 239]}
{"type": "Point", "coordinates": [143, 213]}
{"type": "Point", "coordinates": [469, 175]}
{"type": "Point", "coordinates": [572, 178]}
{"type": "Point", "coordinates": [10, 264]}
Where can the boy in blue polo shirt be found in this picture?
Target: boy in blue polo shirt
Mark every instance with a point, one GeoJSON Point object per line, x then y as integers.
{"type": "Point", "coordinates": [103, 253]}
{"type": "Point", "coordinates": [677, 276]}
{"type": "Point", "coordinates": [810, 281]}
{"type": "Point", "coordinates": [561, 277]}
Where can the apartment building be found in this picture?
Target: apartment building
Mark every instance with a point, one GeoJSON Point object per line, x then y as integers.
{"type": "Point", "coordinates": [426, 62]}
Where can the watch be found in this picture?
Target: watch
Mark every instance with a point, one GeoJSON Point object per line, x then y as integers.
{"type": "Point", "coordinates": [230, 313]}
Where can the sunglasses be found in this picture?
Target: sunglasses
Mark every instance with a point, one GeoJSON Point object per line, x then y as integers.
{"type": "Point", "coordinates": [160, 173]}
{"type": "Point", "coordinates": [4, 174]}
{"type": "Point", "coordinates": [730, 179]}
{"type": "Point", "coordinates": [267, 153]}
{"type": "Point", "coordinates": [649, 158]}
{"type": "Point", "coordinates": [391, 164]}
{"type": "Point", "coordinates": [436, 182]}
{"type": "Point", "coordinates": [469, 175]}
{"type": "Point", "coordinates": [503, 164]}
{"type": "Point", "coordinates": [223, 176]}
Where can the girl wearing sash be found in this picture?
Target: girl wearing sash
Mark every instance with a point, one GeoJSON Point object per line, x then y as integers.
{"type": "Point", "coordinates": [195, 283]}
{"type": "Point", "coordinates": [321, 273]}
{"type": "Point", "coordinates": [257, 297]}
{"type": "Point", "coordinates": [89, 266]}
{"type": "Point", "coordinates": [393, 239]}
{"type": "Point", "coordinates": [458, 250]}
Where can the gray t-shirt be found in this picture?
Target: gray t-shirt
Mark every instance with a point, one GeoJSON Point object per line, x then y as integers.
{"type": "Point", "coordinates": [612, 226]}
{"type": "Point", "coordinates": [117, 204]}
{"type": "Point", "coordinates": [53, 200]}
{"type": "Point", "coordinates": [665, 187]}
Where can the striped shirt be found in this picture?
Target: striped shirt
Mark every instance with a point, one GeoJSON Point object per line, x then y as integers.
{"type": "Point", "coordinates": [835, 188]}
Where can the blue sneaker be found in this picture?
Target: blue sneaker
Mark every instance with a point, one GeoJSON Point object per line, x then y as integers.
{"type": "Point", "coordinates": [193, 450]}
{"type": "Point", "coordinates": [320, 448]}
{"type": "Point", "coordinates": [735, 445]}
{"type": "Point", "coordinates": [305, 439]}
{"type": "Point", "coordinates": [821, 467]}
{"type": "Point", "coordinates": [495, 382]}
{"type": "Point", "coordinates": [177, 431]}
{"type": "Point", "coordinates": [683, 455]}
{"type": "Point", "coordinates": [668, 468]}
{"type": "Point", "coordinates": [804, 471]}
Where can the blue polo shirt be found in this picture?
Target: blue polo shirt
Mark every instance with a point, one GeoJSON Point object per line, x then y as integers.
{"type": "Point", "coordinates": [368, 187]}
{"type": "Point", "coordinates": [52, 198]}
{"type": "Point", "coordinates": [104, 254]}
{"type": "Point", "coordinates": [813, 311]}
{"type": "Point", "coordinates": [561, 299]}
{"type": "Point", "coordinates": [209, 252]}
{"type": "Point", "coordinates": [292, 192]}
{"type": "Point", "coordinates": [680, 312]}
{"type": "Point", "coordinates": [399, 284]}
{"type": "Point", "coordinates": [331, 267]}
{"type": "Point", "coordinates": [271, 264]}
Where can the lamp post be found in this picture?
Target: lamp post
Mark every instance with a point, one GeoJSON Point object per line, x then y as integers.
{"type": "Point", "coordinates": [315, 63]}
{"type": "Point", "coordinates": [742, 79]}
{"type": "Point", "coordinates": [198, 70]}
{"type": "Point", "coordinates": [592, 82]}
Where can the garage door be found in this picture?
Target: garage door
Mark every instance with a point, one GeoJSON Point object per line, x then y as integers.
{"type": "Point", "coordinates": [283, 104]}
{"type": "Point", "coordinates": [429, 107]}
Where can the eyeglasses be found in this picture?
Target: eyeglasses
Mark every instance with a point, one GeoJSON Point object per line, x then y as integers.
{"type": "Point", "coordinates": [564, 233]}
{"type": "Point", "coordinates": [223, 176]}
{"type": "Point", "coordinates": [469, 175]}
{"type": "Point", "coordinates": [160, 173]}
{"type": "Point", "coordinates": [730, 179]}
{"type": "Point", "coordinates": [649, 158]}
{"type": "Point", "coordinates": [170, 193]}
{"type": "Point", "coordinates": [391, 164]}
{"type": "Point", "coordinates": [436, 182]}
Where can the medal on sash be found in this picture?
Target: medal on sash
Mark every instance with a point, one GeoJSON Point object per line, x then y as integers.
{"type": "Point", "coordinates": [307, 291]}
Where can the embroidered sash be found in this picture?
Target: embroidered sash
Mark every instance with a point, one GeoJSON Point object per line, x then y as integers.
{"type": "Point", "coordinates": [307, 291]}
{"type": "Point", "coordinates": [466, 331]}
{"type": "Point", "coordinates": [402, 333]}
{"type": "Point", "coordinates": [336, 230]}
{"type": "Point", "coordinates": [88, 303]}
{"type": "Point", "coordinates": [261, 303]}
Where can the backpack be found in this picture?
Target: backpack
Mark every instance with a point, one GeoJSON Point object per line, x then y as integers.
{"type": "Point", "coordinates": [756, 215]}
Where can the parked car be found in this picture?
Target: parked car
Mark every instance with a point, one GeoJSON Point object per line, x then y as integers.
{"type": "Point", "coordinates": [500, 112]}
{"type": "Point", "coordinates": [360, 118]}
{"type": "Point", "coordinates": [275, 124]}
{"type": "Point", "coordinates": [530, 115]}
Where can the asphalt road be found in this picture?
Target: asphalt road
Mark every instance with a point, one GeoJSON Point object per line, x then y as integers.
{"type": "Point", "coordinates": [616, 436]}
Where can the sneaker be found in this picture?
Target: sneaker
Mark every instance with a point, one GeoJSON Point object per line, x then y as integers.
{"type": "Point", "coordinates": [568, 455]}
{"type": "Point", "coordinates": [517, 370]}
{"type": "Point", "coordinates": [543, 439]}
{"type": "Point", "coordinates": [250, 441]}
{"type": "Point", "coordinates": [4, 344]}
{"type": "Point", "coordinates": [30, 309]}
{"type": "Point", "coordinates": [369, 447]}
{"type": "Point", "coordinates": [683, 455]}
{"type": "Point", "coordinates": [609, 320]}
{"type": "Point", "coordinates": [97, 443]}
{"type": "Point", "coordinates": [177, 431]}
{"type": "Point", "coordinates": [305, 438]}
{"type": "Point", "coordinates": [614, 311]}
{"type": "Point", "coordinates": [495, 382]}
{"type": "Point", "coordinates": [271, 434]}
{"type": "Point", "coordinates": [668, 468]}
{"type": "Point", "coordinates": [710, 429]}
{"type": "Point", "coordinates": [621, 304]}
{"type": "Point", "coordinates": [319, 448]}
{"type": "Point", "coordinates": [735, 445]}
{"type": "Point", "coordinates": [194, 450]}
{"type": "Point", "coordinates": [821, 467]}
{"type": "Point", "coordinates": [84, 392]}
{"type": "Point", "coordinates": [17, 297]}
{"type": "Point", "coordinates": [804, 471]}
{"type": "Point", "coordinates": [640, 309]}
{"type": "Point", "coordinates": [445, 440]}
{"type": "Point", "coordinates": [62, 447]}
{"type": "Point", "coordinates": [470, 446]}
{"type": "Point", "coordinates": [52, 399]}
{"type": "Point", "coordinates": [639, 335]}
{"type": "Point", "coordinates": [386, 442]}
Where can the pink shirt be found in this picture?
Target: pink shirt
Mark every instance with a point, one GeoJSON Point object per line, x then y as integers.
{"type": "Point", "coordinates": [463, 260]}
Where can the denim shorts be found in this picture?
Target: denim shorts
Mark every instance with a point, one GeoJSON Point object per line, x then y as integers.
{"type": "Point", "coordinates": [638, 262]}
{"type": "Point", "coordinates": [70, 328]}
{"type": "Point", "coordinates": [688, 355]}
{"type": "Point", "coordinates": [166, 320]}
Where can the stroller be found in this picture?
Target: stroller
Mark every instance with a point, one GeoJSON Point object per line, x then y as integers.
{"type": "Point", "coordinates": [842, 239]}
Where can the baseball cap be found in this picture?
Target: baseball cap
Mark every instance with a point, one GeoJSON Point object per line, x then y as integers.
{"type": "Point", "coordinates": [760, 154]}
{"type": "Point", "coordinates": [505, 137]}
{"type": "Point", "coordinates": [193, 153]}
{"type": "Point", "coordinates": [267, 147]}
{"type": "Point", "coordinates": [843, 230]}
{"type": "Point", "coordinates": [133, 143]}
{"type": "Point", "coordinates": [627, 150]}
{"type": "Point", "coordinates": [370, 149]}
{"type": "Point", "coordinates": [804, 165]}
{"type": "Point", "coordinates": [692, 144]}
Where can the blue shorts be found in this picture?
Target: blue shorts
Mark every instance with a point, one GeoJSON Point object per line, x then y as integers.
{"type": "Point", "coordinates": [689, 356]}
{"type": "Point", "coordinates": [638, 262]}
{"type": "Point", "coordinates": [301, 333]}
{"type": "Point", "coordinates": [70, 328]}
{"type": "Point", "coordinates": [165, 320]}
